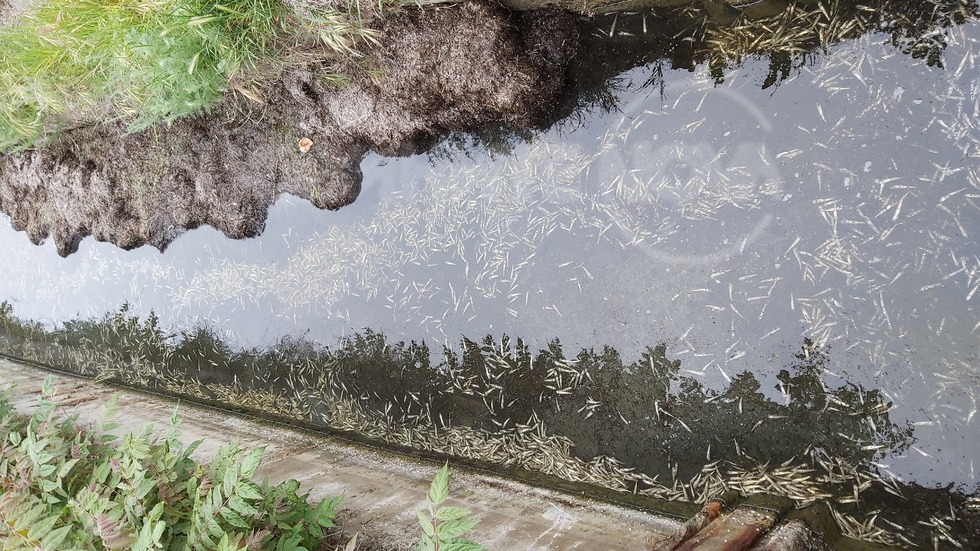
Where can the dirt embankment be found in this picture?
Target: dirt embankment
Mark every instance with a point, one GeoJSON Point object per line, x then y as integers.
{"type": "Point", "coordinates": [434, 71]}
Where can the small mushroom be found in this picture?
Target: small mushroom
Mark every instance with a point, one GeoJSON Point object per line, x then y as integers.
{"type": "Point", "coordinates": [305, 144]}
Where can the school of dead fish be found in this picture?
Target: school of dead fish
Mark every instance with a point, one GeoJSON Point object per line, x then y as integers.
{"type": "Point", "coordinates": [486, 223]}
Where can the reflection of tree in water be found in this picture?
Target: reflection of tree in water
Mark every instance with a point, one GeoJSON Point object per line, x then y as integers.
{"type": "Point", "coordinates": [648, 416]}
{"type": "Point", "coordinates": [637, 427]}
{"type": "Point", "coordinates": [699, 34]}
{"type": "Point", "coordinates": [687, 37]}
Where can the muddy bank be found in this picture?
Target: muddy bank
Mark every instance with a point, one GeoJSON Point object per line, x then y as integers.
{"type": "Point", "coordinates": [433, 71]}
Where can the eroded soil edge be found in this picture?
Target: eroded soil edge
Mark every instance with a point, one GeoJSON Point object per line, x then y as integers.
{"type": "Point", "coordinates": [436, 71]}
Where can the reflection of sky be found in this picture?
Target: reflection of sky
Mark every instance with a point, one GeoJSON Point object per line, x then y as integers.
{"type": "Point", "coordinates": [729, 222]}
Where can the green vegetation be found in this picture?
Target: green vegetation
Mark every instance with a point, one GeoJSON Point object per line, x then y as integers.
{"type": "Point", "coordinates": [63, 486]}
{"type": "Point", "coordinates": [67, 487]}
{"type": "Point", "coordinates": [443, 527]}
{"type": "Point", "coordinates": [146, 60]}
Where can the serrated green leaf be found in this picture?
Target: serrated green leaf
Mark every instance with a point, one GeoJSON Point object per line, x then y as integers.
{"type": "Point", "coordinates": [46, 470]}
{"type": "Point", "coordinates": [290, 486]}
{"type": "Point", "coordinates": [249, 490]}
{"type": "Point", "coordinates": [290, 543]}
{"type": "Point", "coordinates": [206, 539]}
{"type": "Point", "coordinates": [191, 447]}
{"type": "Point", "coordinates": [158, 530]}
{"type": "Point", "coordinates": [230, 479]}
{"type": "Point", "coordinates": [426, 543]}
{"type": "Point", "coordinates": [24, 521]}
{"type": "Point", "coordinates": [451, 513]}
{"type": "Point", "coordinates": [242, 507]}
{"type": "Point", "coordinates": [145, 540]}
{"type": "Point", "coordinates": [67, 467]}
{"type": "Point", "coordinates": [455, 528]}
{"type": "Point", "coordinates": [439, 490]}
{"type": "Point", "coordinates": [213, 528]}
{"type": "Point", "coordinates": [427, 528]}
{"type": "Point", "coordinates": [156, 512]}
{"type": "Point", "coordinates": [325, 512]}
{"type": "Point", "coordinates": [42, 527]}
{"type": "Point", "coordinates": [251, 462]}
{"type": "Point", "coordinates": [101, 472]}
{"type": "Point", "coordinates": [56, 537]}
{"type": "Point", "coordinates": [463, 545]}
{"type": "Point", "coordinates": [233, 518]}
{"type": "Point", "coordinates": [144, 487]}
{"type": "Point", "coordinates": [48, 486]}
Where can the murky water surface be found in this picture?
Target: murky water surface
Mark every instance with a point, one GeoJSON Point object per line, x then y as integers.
{"type": "Point", "coordinates": [728, 221]}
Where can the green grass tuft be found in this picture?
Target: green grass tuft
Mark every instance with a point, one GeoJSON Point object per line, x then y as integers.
{"type": "Point", "coordinates": [144, 60]}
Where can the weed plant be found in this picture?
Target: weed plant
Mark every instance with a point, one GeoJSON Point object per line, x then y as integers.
{"type": "Point", "coordinates": [145, 60]}
{"type": "Point", "coordinates": [63, 486]}
{"type": "Point", "coordinates": [66, 487]}
{"type": "Point", "coordinates": [443, 527]}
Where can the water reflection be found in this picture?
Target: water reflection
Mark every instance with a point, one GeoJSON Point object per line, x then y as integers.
{"type": "Point", "coordinates": [788, 36]}
{"type": "Point", "coordinates": [731, 224]}
{"type": "Point", "coordinates": [637, 427]}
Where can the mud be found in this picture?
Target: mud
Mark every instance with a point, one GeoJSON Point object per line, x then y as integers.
{"type": "Point", "coordinates": [434, 71]}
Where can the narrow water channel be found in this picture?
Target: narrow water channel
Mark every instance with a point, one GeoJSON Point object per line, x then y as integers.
{"type": "Point", "coordinates": [709, 280]}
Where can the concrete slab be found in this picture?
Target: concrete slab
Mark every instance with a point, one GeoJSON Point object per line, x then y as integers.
{"type": "Point", "coordinates": [382, 491]}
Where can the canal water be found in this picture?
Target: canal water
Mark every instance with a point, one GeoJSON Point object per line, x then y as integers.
{"type": "Point", "coordinates": [707, 280]}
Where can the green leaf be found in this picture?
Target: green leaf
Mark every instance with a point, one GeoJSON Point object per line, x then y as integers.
{"type": "Point", "coordinates": [251, 462]}
{"type": "Point", "coordinates": [158, 530]}
{"type": "Point", "coordinates": [233, 518]}
{"type": "Point", "coordinates": [455, 528]}
{"type": "Point", "coordinates": [249, 490]}
{"type": "Point", "coordinates": [290, 543]}
{"type": "Point", "coordinates": [439, 490]}
{"type": "Point", "coordinates": [43, 527]}
{"type": "Point", "coordinates": [325, 512]}
{"type": "Point", "coordinates": [240, 506]}
{"type": "Point", "coordinates": [463, 545]}
{"type": "Point", "coordinates": [451, 513]}
{"type": "Point", "coordinates": [144, 487]}
{"type": "Point", "coordinates": [30, 517]}
{"type": "Point", "coordinates": [54, 539]}
{"type": "Point", "coordinates": [214, 528]}
{"type": "Point", "coordinates": [230, 479]}
{"type": "Point", "coordinates": [427, 528]}
{"type": "Point", "coordinates": [102, 472]}
{"type": "Point", "coordinates": [48, 486]}
{"type": "Point", "coordinates": [426, 543]}
{"type": "Point", "coordinates": [46, 470]}
{"type": "Point", "coordinates": [67, 467]}
{"type": "Point", "coordinates": [191, 447]}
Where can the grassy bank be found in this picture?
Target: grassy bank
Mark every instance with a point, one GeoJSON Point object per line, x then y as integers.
{"type": "Point", "coordinates": [147, 61]}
